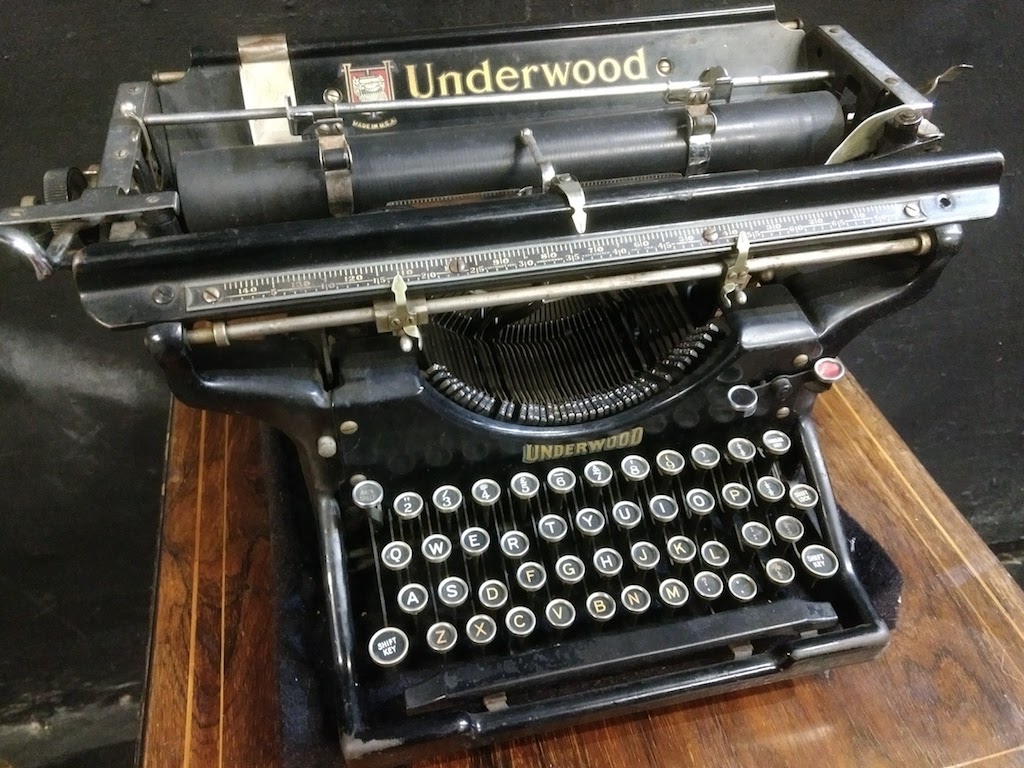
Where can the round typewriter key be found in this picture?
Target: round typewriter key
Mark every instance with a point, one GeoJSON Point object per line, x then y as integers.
{"type": "Point", "coordinates": [705, 456]}
{"type": "Point", "coordinates": [492, 594]}
{"type": "Point", "coordinates": [735, 496]}
{"type": "Point", "coordinates": [389, 646]}
{"type": "Point", "coordinates": [742, 587]}
{"type": "Point", "coordinates": [741, 450]}
{"type": "Point", "coordinates": [821, 562]}
{"type": "Point", "coordinates": [560, 613]}
{"type": "Point", "coordinates": [520, 621]}
{"type": "Point", "coordinates": [829, 370]}
{"type": "Point", "coordinates": [524, 485]}
{"type": "Point", "coordinates": [412, 598]}
{"type": "Point", "coordinates": [635, 468]}
{"type": "Point", "coordinates": [474, 541]}
{"type": "Point", "coordinates": [627, 514]}
{"type": "Point", "coordinates": [441, 637]}
{"type": "Point", "coordinates": [756, 535]}
{"type": "Point", "coordinates": [514, 544]}
{"type": "Point", "coordinates": [485, 492]}
{"type": "Point", "coordinates": [635, 599]}
{"type": "Point", "coordinates": [601, 606]}
{"type": "Point", "coordinates": [742, 399]}
{"type": "Point", "coordinates": [368, 494]}
{"type": "Point", "coordinates": [780, 571]}
{"type": "Point", "coordinates": [607, 562]}
{"type": "Point", "coordinates": [708, 585]}
{"type": "Point", "coordinates": [771, 489]}
{"type": "Point", "coordinates": [598, 474]}
{"type": "Point", "coordinates": [453, 591]}
{"type": "Point", "coordinates": [561, 480]}
{"type": "Point", "coordinates": [570, 569]}
{"type": "Point", "coordinates": [552, 528]}
{"type": "Point", "coordinates": [408, 505]}
{"type": "Point", "coordinates": [436, 547]}
{"type": "Point", "coordinates": [481, 629]}
{"type": "Point", "coordinates": [664, 509]}
{"type": "Point", "coordinates": [589, 522]}
{"type": "Point", "coordinates": [682, 549]}
{"type": "Point", "coordinates": [645, 555]}
{"type": "Point", "coordinates": [700, 502]}
{"type": "Point", "coordinates": [670, 463]}
{"type": "Point", "coordinates": [447, 499]}
{"type": "Point", "coordinates": [803, 496]}
{"type": "Point", "coordinates": [789, 528]}
{"type": "Point", "coordinates": [531, 576]}
{"type": "Point", "coordinates": [396, 555]}
{"type": "Point", "coordinates": [673, 593]}
{"type": "Point", "coordinates": [776, 442]}
{"type": "Point", "coordinates": [714, 553]}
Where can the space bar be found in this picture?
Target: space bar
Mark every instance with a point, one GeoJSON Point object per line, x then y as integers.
{"type": "Point", "coordinates": [589, 657]}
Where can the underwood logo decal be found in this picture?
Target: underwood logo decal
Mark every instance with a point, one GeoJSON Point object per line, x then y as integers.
{"type": "Point", "coordinates": [487, 77]}
{"type": "Point", "coordinates": [628, 439]}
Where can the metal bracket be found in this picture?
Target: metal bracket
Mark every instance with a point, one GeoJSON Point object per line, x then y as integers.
{"type": "Point", "coordinates": [574, 195]}
{"type": "Point", "coordinates": [565, 183]}
{"type": "Point", "coordinates": [715, 88]}
{"type": "Point", "coordinates": [403, 316]}
{"type": "Point", "coordinates": [265, 74]}
{"type": "Point", "coordinates": [336, 161]}
{"type": "Point", "coordinates": [737, 276]}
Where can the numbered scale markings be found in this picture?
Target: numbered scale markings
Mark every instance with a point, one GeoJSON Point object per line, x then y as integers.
{"type": "Point", "coordinates": [541, 258]}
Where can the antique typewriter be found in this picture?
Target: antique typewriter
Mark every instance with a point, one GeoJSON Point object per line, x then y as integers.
{"type": "Point", "coordinates": [544, 313]}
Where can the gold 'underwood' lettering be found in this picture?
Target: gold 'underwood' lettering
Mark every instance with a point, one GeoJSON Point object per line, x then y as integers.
{"type": "Point", "coordinates": [533, 453]}
{"type": "Point", "coordinates": [482, 78]}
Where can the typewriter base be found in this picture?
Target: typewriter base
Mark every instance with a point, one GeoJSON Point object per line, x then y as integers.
{"type": "Point", "coordinates": [948, 690]}
{"type": "Point", "coordinates": [304, 665]}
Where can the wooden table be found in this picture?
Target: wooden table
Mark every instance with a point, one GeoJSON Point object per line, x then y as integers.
{"type": "Point", "coordinates": [949, 690]}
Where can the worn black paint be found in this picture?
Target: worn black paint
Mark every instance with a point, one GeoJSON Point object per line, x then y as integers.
{"type": "Point", "coordinates": [83, 411]}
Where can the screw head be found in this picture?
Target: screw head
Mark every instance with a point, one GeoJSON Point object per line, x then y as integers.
{"type": "Point", "coordinates": [121, 154]}
{"type": "Point", "coordinates": [457, 265]}
{"type": "Point", "coordinates": [326, 446]}
{"type": "Point", "coordinates": [711, 235]}
{"type": "Point", "coordinates": [800, 361]}
{"type": "Point", "coordinates": [664, 67]}
{"type": "Point", "coordinates": [153, 199]}
{"type": "Point", "coordinates": [348, 427]}
{"type": "Point", "coordinates": [782, 413]}
{"type": "Point", "coordinates": [163, 294]}
{"type": "Point", "coordinates": [211, 295]}
{"type": "Point", "coordinates": [908, 117]}
{"type": "Point", "coordinates": [912, 211]}
{"type": "Point", "coordinates": [332, 96]}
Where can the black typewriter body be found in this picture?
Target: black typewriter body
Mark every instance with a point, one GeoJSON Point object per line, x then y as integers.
{"type": "Point", "coordinates": [545, 313]}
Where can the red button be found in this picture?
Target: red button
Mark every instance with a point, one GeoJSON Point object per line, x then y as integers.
{"type": "Point", "coordinates": [829, 370]}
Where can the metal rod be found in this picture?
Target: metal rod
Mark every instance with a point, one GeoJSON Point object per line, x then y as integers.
{"type": "Point", "coordinates": [329, 111]}
{"type": "Point", "coordinates": [223, 333]}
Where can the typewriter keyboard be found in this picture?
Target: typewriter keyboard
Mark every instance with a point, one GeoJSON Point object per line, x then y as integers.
{"type": "Point", "coordinates": [469, 566]}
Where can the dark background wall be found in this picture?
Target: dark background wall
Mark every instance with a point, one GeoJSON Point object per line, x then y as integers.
{"type": "Point", "coordinates": [83, 410]}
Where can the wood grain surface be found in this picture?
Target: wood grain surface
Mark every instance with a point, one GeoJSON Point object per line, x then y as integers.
{"type": "Point", "coordinates": [949, 690]}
